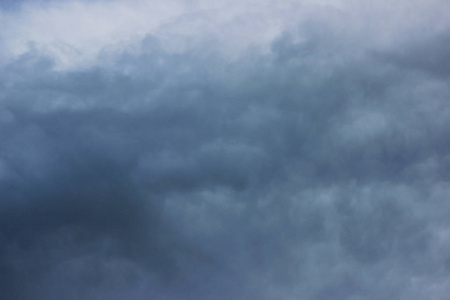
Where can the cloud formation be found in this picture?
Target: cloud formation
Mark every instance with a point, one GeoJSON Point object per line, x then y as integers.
{"type": "Point", "coordinates": [237, 151]}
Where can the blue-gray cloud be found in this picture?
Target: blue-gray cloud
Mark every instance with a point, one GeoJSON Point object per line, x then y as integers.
{"type": "Point", "coordinates": [317, 170]}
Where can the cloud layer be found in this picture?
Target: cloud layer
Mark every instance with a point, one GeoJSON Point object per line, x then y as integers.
{"type": "Point", "coordinates": [238, 151]}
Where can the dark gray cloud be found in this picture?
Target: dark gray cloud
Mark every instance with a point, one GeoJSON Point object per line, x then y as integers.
{"type": "Point", "coordinates": [318, 170]}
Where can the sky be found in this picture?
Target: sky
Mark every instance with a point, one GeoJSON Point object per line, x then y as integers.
{"type": "Point", "coordinates": [217, 150]}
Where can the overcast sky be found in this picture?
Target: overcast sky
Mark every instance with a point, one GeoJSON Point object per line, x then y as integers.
{"type": "Point", "coordinates": [224, 150]}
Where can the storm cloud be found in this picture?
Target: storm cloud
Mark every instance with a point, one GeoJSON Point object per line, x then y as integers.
{"type": "Point", "coordinates": [189, 150]}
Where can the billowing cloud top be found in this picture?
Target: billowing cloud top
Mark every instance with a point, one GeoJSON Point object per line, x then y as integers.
{"type": "Point", "coordinates": [228, 150]}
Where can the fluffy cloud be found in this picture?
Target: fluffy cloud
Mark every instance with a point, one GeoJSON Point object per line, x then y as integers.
{"type": "Point", "coordinates": [236, 151]}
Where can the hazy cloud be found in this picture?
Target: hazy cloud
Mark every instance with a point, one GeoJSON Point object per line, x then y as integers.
{"type": "Point", "coordinates": [310, 161]}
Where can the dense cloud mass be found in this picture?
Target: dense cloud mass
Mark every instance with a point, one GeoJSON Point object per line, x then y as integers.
{"type": "Point", "coordinates": [247, 150]}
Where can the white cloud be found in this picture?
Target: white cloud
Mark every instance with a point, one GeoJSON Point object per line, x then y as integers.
{"type": "Point", "coordinates": [76, 32]}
